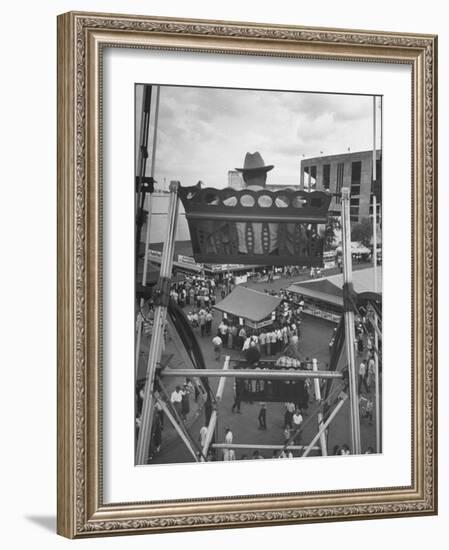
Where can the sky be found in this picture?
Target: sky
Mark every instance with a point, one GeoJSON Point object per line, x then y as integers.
{"type": "Point", "coordinates": [204, 132]}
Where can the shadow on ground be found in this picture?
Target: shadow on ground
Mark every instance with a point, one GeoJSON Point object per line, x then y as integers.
{"type": "Point", "coordinates": [46, 522]}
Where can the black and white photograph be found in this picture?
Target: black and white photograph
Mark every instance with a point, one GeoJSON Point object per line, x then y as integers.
{"type": "Point", "coordinates": [258, 274]}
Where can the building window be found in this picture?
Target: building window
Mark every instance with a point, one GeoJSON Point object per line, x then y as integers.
{"type": "Point", "coordinates": [371, 210]}
{"type": "Point", "coordinates": [339, 185]}
{"type": "Point", "coordinates": [326, 176]}
{"type": "Point", "coordinates": [305, 178]}
{"type": "Point", "coordinates": [356, 174]}
{"type": "Point", "coordinates": [310, 177]}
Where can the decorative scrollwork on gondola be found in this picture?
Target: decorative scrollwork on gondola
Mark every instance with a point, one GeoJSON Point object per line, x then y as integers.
{"type": "Point", "coordinates": [256, 227]}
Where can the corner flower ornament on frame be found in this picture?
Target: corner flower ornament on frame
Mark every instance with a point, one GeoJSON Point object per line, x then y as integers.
{"type": "Point", "coordinates": [269, 273]}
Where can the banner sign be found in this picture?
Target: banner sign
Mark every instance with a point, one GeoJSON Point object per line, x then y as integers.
{"type": "Point", "coordinates": [186, 259]}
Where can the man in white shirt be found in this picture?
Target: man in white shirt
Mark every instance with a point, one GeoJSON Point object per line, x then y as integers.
{"type": "Point", "coordinates": [176, 399]}
{"type": "Point", "coordinates": [217, 342]}
{"type": "Point", "coordinates": [228, 435]}
{"type": "Point", "coordinates": [297, 421]}
{"type": "Point", "coordinates": [202, 438]}
{"type": "Point", "coordinates": [288, 416]}
{"type": "Point", "coordinates": [223, 329]}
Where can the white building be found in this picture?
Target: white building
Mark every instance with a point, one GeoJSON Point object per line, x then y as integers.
{"type": "Point", "coordinates": [158, 225]}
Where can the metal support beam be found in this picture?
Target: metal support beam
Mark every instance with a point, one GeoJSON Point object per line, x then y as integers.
{"type": "Point", "coordinates": [374, 194]}
{"type": "Point", "coordinates": [316, 381]}
{"type": "Point", "coordinates": [185, 357]}
{"type": "Point", "coordinates": [218, 397]}
{"type": "Point", "coordinates": [376, 385]}
{"type": "Point", "coordinates": [349, 321]}
{"type": "Point", "coordinates": [325, 425]}
{"type": "Point", "coordinates": [160, 315]}
{"type": "Point", "coordinates": [261, 447]}
{"type": "Point", "coordinates": [375, 327]}
{"type": "Point", "coordinates": [252, 374]}
{"type": "Point", "coordinates": [375, 241]}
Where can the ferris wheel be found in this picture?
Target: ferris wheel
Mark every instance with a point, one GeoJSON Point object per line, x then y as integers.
{"type": "Point", "coordinates": [254, 227]}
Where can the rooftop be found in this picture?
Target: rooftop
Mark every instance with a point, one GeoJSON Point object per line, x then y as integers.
{"type": "Point", "coordinates": [249, 304]}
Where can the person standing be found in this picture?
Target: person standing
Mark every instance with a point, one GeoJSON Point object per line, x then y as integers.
{"type": "Point", "coordinates": [246, 344]}
{"type": "Point", "coordinates": [252, 354]}
{"type": "Point", "coordinates": [229, 338]}
{"type": "Point", "coordinates": [369, 345]}
{"type": "Point", "coordinates": [242, 337]}
{"type": "Point", "coordinates": [176, 399]}
{"type": "Point", "coordinates": [268, 343]}
{"type": "Point", "coordinates": [297, 421]}
{"type": "Point", "coordinates": [263, 342]}
{"type": "Point", "coordinates": [217, 342]}
{"type": "Point", "coordinates": [202, 437]}
{"type": "Point", "coordinates": [237, 395]}
{"type": "Point", "coordinates": [229, 437]}
{"type": "Point", "coordinates": [360, 345]}
{"type": "Point", "coordinates": [285, 335]}
{"type": "Point", "coordinates": [223, 291]}
{"type": "Point", "coordinates": [209, 319]}
{"type": "Point", "coordinates": [185, 402]}
{"type": "Point", "coordinates": [235, 332]}
{"type": "Point", "coordinates": [156, 437]}
{"type": "Point", "coordinates": [159, 413]}
{"type": "Point", "coordinates": [195, 319]}
{"type": "Point", "coordinates": [202, 321]}
{"type": "Point", "coordinates": [288, 416]}
{"type": "Point", "coordinates": [223, 330]}
{"type": "Point", "coordinates": [371, 371]}
{"type": "Point", "coordinates": [262, 416]}
{"type": "Point", "coordinates": [362, 377]}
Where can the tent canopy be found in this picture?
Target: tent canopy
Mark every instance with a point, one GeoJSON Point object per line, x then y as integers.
{"type": "Point", "coordinates": [329, 289]}
{"type": "Point", "coordinates": [249, 304]}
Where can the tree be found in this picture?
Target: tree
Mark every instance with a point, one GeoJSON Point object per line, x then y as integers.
{"type": "Point", "coordinates": [362, 232]}
{"type": "Point", "coordinates": [333, 225]}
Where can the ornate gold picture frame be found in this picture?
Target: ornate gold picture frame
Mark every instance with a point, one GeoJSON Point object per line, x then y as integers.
{"type": "Point", "coordinates": [82, 41]}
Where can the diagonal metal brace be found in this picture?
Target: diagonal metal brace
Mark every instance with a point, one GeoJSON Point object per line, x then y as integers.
{"type": "Point", "coordinates": [162, 292]}
{"type": "Point", "coordinates": [349, 297]}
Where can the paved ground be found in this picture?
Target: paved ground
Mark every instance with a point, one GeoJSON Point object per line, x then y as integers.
{"type": "Point", "coordinates": [315, 336]}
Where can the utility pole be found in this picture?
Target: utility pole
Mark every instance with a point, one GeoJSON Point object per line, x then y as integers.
{"type": "Point", "coordinates": [349, 320]}
{"type": "Point", "coordinates": [162, 296]}
{"type": "Point", "coordinates": [373, 190]}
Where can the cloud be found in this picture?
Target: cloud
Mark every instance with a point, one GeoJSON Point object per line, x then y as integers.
{"type": "Point", "coordinates": [204, 132]}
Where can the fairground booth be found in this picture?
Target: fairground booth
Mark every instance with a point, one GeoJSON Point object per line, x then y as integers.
{"type": "Point", "coordinates": [250, 308]}
{"type": "Point", "coordinates": [324, 297]}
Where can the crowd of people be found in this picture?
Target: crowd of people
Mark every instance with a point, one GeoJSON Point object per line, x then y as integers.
{"type": "Point", "coordinates": [198, 294]}
{"type": "Point", "coordinates": [202, 290]}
